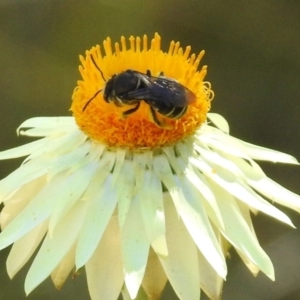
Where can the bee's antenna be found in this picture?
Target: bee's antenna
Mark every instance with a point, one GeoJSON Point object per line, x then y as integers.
{"type": "Point", "coordinates": [85, 106]}
{"type": "Point", "coordinates": [98, 68]}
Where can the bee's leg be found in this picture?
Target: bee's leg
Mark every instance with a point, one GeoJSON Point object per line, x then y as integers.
{"type": "Point", "coordinates": [128, 112]}
{"type": "Point", "coordinates": [155, 119]}
{"type": "Point", "coordinates": [148, 73]}
{"type": "Point", "coordinates": [157, 122]}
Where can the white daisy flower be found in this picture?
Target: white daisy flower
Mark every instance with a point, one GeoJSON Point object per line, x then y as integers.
{"type": "Point", "coordinates": [138, 196]}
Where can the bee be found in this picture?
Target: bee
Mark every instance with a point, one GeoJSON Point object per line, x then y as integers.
{"type": "Point", "coordinates": [164, 95]}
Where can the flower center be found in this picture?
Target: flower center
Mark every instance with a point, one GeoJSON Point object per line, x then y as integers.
{"type": "Point", "coordinates": [140, 98]}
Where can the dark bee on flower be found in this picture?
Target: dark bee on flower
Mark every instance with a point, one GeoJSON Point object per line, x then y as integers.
{"type": "Point", "coordinates": [164, 95]}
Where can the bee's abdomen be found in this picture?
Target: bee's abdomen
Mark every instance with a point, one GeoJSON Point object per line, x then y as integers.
{"type": "Point", "coordinates": [173, 112]}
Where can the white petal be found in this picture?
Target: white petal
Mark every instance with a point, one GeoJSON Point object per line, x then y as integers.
{"type": "Point", "coordinates": [148, 159]}
{"type": "Point", "coordinates": [261, 153]}
{"type": "Point", "coordinates": [155, 278]}
{"type": "Point", "coordinates": [23, 150]}
{"type": "Point", "coordinates": [164, 172]}
{"type": "Point", "coordinates": [239, 234]}
{"type": "Point", "coordinates": [38, 209]}
{"type": "Point", "coordinates": [106, 164]}
{"type": "Point", "coordinates": [51, 159]}
{"type": "Point", "coordinates": [226, 180]}
{"type": "Point", "coordinates": [192, 214]}
{"type": "Point", "coordinates": [59, 145]}
{"type": "Point", "coordinates": [231, 169]}
{"type": "Point", "coordinates": [253, 151]}
{"type": "Point", "coordinates": [135, 249]}
{"type": "Point", "coordinates": [47, 122]}
{"type": "Point", "coordinates": [41, 132]}
{"type": "Point", "coordinates": [139, 160]}
{"type": "Point", "coordinates": [246, 214]}
{"type": "Point", "coordinates": [98, 215]}
{"type": "Point", "coordinates": [125, 189]}
{"type": "Point", "coordinates": [93, 155]}
{"type": "Point", "coordinates": [49, 131]}
{"type": "Point", "coordinates": [24, 248]}
{"type": "Point", "coordinates": [200, 183]}
{"type": "Point", "coordinates": [219, 121]}
{"type": "Point", "coordinates": [152, 209]}
{"type": "Point", "coordinates": [104, 270]}
{"type": "Point", "coordinates": [173, 161]}
{"type": "Point", "coordinates": [37, 132]}
{"type": "Point", "coordinates": [23, 175]}
{"type": "Point", "coordinates": [276, 193]}
{"type": "Point", "coordinates": [220, 147]}
{"type": "Point", "coordinates": [266, 186]}
{"type": "Point", "coordinates": [181, 265]}
{"type": "Point", "coordinates": [253, 268]}
{"type": "Point", "coordinates": [67, 160]}
{"type": "Point", "coordinates": [211, 283]}
{"type": "Point", "coordinates": [120, 157]}
{"type": "Point", "coordinates": [245, 211]}
{"type": "Point", "coordinates": [54, 249]}
{"type": "Point", "coordinates": [63, 270]}
{"type": "Point", "coordinates": [195, 219]}
{"type": "Point", "coordinates": [79, 181]}
{"type": "Point", "coordinates": [185, 149]}
{"type": "Point", "coordinates": [18, 200]}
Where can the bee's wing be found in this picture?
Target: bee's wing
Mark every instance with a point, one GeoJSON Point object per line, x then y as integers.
{"type": "Point", "coordinates": [144, 93]}
{"type": "Point", "coordinates": [140, 94]}
{"type": "Point", "coordinates": [163, 90]}
{"type": "Point", "coordinates": [190, 96]}
{"type": "Point", "coordinates": [173, 91]}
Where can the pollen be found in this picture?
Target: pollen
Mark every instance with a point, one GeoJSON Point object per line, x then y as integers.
{"type": "Point", "coordinates": [106, 123]}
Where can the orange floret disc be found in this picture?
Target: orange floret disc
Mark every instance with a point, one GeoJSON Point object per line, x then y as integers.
{"type": "Point", "coordinates": [105, 123]}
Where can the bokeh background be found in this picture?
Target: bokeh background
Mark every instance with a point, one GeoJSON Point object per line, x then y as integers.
{"type": "Point", "coordinates": [253, 54]}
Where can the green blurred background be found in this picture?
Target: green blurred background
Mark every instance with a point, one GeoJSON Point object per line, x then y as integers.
{"type": "Point", "coordinates": [253, 54]}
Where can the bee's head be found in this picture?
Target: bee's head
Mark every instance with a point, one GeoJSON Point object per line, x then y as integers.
{"type": "Point", "coordinates": [124, 82]}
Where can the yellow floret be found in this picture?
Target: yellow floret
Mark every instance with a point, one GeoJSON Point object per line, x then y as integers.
{"type": "Point", "coordinates": [104, 122]}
